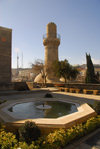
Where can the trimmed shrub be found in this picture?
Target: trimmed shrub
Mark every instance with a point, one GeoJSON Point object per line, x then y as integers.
{"type": "Point", "coordinates": [29, 132]}
{"type": "Point", "coordinates": [75, 132]}
{"type": "Point", "coordinates": [24, 145]}
{"type": "Point", "coordinates": [57, 139]}
{"type": "Point", "coordinates": [48, 95]}
{"type": "Point", "coordinates": [7, 140]}
{"type": "Point", "coordinates": [92, 124]}
{"type": "Point", "coordinates": [96, 107]}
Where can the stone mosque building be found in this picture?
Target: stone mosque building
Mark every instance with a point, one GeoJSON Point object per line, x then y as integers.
{"type": "Point", "coordinates": [51, 41]}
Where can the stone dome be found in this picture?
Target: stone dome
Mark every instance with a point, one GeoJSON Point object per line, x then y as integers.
{"type": "Point", "coordinates": [38, 78]}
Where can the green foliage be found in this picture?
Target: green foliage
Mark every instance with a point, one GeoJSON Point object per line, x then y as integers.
{"type": "Point", "coordinates": [48, 95]}
{"type": "Point", "coordinates": [90, 74]}
{"type": "Point", "coordinates": [96, 107]}
{"type": "Point", "coordinates": [24, 145]}
{"type": "Point", "coordinates": [55, 140]}
{"type": "Point", "coordinates": [29, 132]}
{"type": "Point", "coordinates": [60, 138]}
{"type": "Point", "coordinates": [7, 140]}
{"type": "Point", "coordinates": [65, 70]}
{"type": "Point", "coordinates": [92, 124]}
{"type": "Point", "coordinates": [75, 132]}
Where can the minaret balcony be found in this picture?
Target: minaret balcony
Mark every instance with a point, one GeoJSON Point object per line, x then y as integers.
{"type": "Point", "coordinates": [45, 36]}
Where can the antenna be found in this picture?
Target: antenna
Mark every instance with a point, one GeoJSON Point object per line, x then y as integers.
{"type": "Point", "coordinates": [17, 64]}
{"type": "Point", "coordinates": [17, 61]}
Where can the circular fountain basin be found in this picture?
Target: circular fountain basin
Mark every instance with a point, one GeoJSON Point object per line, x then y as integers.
{"type": "Point", "coordinates": [14, 121]}
{"type": "Point", "coordinates": [42, 109]}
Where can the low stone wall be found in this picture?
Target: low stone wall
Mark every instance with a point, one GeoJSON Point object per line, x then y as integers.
{"type": "Point", "coordinates": [83, 86]}
{"type": "Point", "coordinates": [6, 86]}
{"type": "Point", "coordinates": [31, 85]}
{"type": "Point", "coordinates": [20, 86]}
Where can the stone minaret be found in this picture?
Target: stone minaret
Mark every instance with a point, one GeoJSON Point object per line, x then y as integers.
{"type": "Point", "coordinates": [51, 42]}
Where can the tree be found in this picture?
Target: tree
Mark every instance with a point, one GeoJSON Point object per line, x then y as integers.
{"type": "Point", "coordinates": [65, 70]}
{"type": "Point", "coordinates": [38, 67]}
{"type": "Point", "coordinates": [97, 76]}
{"type": "Point", "coordinates": [73, 73]}
{"type": "Point", "coordinates": [29, 132]}
{"type": "Point", "coordinates": [90, 73]}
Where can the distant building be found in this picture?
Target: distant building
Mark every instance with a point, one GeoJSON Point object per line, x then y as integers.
{"type": "Point", "coordinates": [5, 54]}
{"type": "Point", "coordinates": [82, 70]}
{"type": "Point", "coordinates": [25, 74]}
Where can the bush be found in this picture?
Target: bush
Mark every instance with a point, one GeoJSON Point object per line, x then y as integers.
{"type": "Point", "coordinates": [24, 145]}
{"type": "Point", "coordinates": [76, 131]}
{"type": "Point", "coordinates": [7, 140]}
{"type": "Point", "coordinates": [57, 139]}
{"type": "Point", "coordinates": [48, 95]}
{"type": "Point", "coordinates": [96, 107]}
{"type": "Point", "coordinates": [92, 124]}
{"type": "Point", "coordinates": [60, 138]}
{"type": "Point", "coordinates": [29, 132]}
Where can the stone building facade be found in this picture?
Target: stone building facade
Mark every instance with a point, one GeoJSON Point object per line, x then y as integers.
{"type": "Point", "coordinates": [5, 54]}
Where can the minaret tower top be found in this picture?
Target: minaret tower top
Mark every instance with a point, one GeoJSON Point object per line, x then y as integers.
{"type": "Point", "coordinates": [51, 30]}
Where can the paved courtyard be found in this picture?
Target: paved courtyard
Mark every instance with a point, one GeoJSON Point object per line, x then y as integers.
{"type": "Point", "coordinates": [91, 141]}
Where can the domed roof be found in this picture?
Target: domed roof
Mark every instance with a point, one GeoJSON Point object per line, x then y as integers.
{"type": "Point", "coordinates": [38, 78]}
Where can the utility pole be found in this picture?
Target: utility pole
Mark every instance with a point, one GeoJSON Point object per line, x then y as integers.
{"type": "Point", "coordinates": [22, 60]}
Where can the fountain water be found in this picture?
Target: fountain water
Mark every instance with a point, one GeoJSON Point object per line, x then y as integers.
{"type": "Point", "coordinates": [43, 106]}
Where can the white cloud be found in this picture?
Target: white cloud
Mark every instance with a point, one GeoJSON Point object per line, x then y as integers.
{"type": "Point", "coordinates": [17, 50]}
{"type": "Point", "coordinates": [84, 61]}
{"type": "Point", "coordinates": [64, 57]}
{"type": "Point", "coordinates": [95, 61]}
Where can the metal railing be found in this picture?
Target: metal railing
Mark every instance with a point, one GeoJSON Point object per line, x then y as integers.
{"type": "Point", "coordinates": [52, 36]}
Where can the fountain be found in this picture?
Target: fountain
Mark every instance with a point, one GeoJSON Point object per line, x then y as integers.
{"type": "Point", "coordinates": [43, 106]}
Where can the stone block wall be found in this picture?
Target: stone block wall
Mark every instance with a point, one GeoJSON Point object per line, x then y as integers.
{"type": "Point", "coordinates": [5, 55]}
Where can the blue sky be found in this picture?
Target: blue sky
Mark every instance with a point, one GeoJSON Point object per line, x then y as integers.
{"type": "Point", "coordinates": [78, 23]}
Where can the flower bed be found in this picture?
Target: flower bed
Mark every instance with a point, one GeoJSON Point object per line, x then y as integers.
{"type": "Point", "coordinates": [55, 140]}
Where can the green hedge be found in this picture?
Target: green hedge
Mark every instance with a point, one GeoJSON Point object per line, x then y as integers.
{"type": "Point", "coordinates": [7, 140]}
{"type": "Point", "coordinates": [55, 140]}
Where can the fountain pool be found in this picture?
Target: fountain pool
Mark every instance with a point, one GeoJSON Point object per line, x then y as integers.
{"type": "Point", "coordinates": [42, 109]}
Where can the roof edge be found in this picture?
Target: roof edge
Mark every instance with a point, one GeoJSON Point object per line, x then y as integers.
{"type": "Point", "coordinates": [5, 28]}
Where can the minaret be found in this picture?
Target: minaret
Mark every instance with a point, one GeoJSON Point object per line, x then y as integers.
{"type": "Point", "coordinates": [51, 42]}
